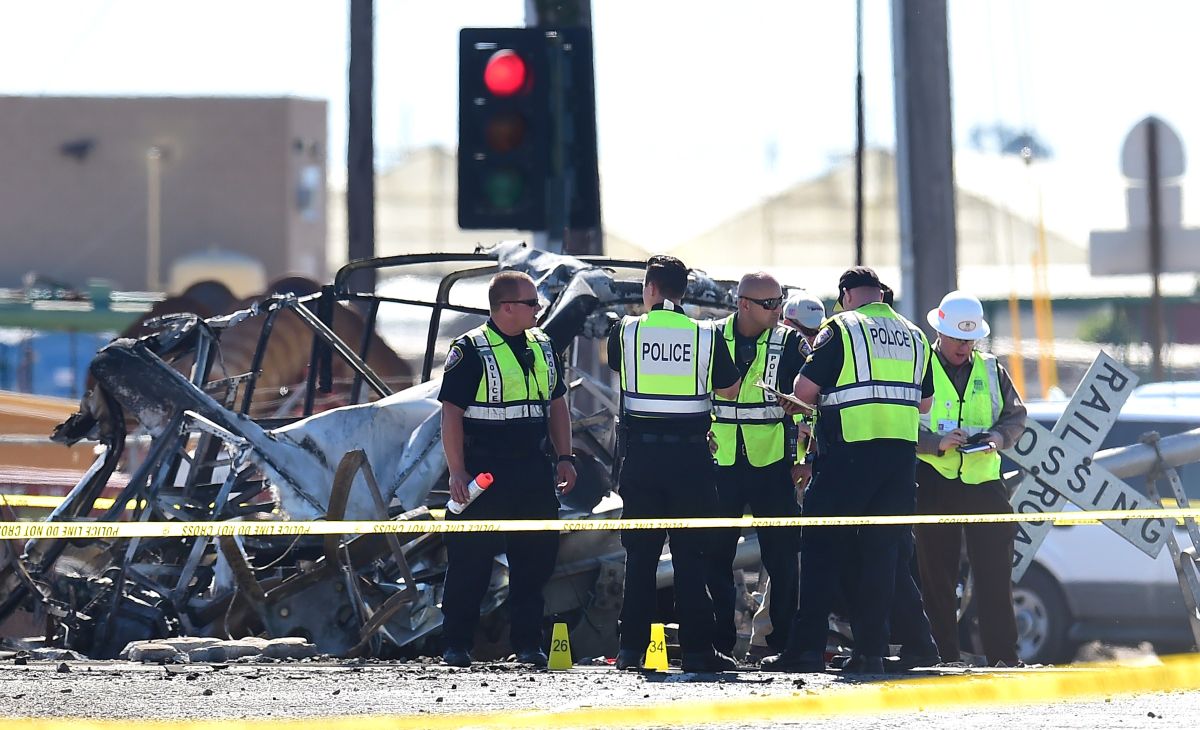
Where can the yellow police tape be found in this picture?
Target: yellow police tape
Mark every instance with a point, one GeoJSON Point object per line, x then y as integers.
{"type": "Point", "coordinates": [1082, 682]}
{"type": "Point", "coordinates": [26, 530]}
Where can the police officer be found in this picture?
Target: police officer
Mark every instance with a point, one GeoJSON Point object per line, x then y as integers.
{"type": "Point", "coordinates": [670, 365]}
{"type": "Point", "coordinates": [804, 313]}
{"type": "Point", "coordinates": [502, 394]}
{"type": "Point", "coordinates": [869, 374]}
{"type": "Point", "coordinates": [974, 399]}
{"type": "Point", "coordinates": [753, 456]}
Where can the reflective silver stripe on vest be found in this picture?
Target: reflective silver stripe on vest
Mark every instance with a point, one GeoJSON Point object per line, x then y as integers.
{"type": "Point", "coordinates": [629, 332]}
{"type": "Point", "coordinates": [548, 353]}
{"type": "Point", "coordinates": [853, 324]}
{"type": "Point", "coordinates": [494, 383]}
{"type": "Point", "coordinates": [919, 360]}
{"type": "Point", "coordinates": [755, 413]}
{"type": "Point", "coordinates": [871, 392]}
{"type": "Point", "coordinates": [666, 405]}
{"type": "Point", "coordinates": [504, 413]}
{"type": "Point", "coordinates": [774, 355]}
{"type": "Point", "coordinates": [704, 354]}
{"type": "Point", "coordinates": [993, 375]}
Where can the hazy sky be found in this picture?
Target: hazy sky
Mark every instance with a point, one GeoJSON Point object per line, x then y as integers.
{"type": "Point", "coordinates": [704, 107]}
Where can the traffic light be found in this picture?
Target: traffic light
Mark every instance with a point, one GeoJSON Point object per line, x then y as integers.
{"type": "Point", "coordinates": [504, 128]}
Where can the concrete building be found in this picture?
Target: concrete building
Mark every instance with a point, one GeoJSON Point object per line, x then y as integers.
{"type": "Point", "coordinates": [104, 187]}
{"type": "Point", "coordinates": [811, 224]}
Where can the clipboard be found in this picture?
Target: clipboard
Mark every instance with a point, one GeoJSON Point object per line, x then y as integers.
{"type": "Point", "coordinates": [786, 396]}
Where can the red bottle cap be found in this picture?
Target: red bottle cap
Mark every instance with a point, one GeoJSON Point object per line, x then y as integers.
{"type": "Point", "coordinates": [484, 480]}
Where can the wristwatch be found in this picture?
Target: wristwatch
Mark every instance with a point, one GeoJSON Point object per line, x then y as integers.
{"type": "Point", "coordinates": [567, 457]}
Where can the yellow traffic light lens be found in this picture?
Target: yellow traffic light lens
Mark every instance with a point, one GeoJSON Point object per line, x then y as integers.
{"type": "Point", "coordinates": [505, 132]}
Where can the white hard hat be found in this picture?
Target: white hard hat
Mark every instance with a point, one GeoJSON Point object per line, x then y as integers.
{"type": "Point", "coordinates": [804, 309]}
{"type": "Point", "coordinates": [960, 316]}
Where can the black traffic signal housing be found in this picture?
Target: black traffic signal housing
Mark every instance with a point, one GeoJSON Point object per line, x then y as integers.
{"type": "Point", "coordinates": [504, 128]}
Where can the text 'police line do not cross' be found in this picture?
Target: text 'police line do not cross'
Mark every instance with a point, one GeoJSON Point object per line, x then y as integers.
{"type": "Point", "coordinates": [1060, 467]}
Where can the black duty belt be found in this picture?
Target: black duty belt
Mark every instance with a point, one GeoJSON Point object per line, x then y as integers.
{"type": "Point", "coordinates": [668, 438]}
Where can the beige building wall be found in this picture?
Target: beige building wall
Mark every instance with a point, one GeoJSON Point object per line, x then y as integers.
{"type": "Point", "coordinates": [415, 210]}
{"type": "Point", "coordinates": [244, 175]}
{"type": "Point", "coordinates": [812, 224]}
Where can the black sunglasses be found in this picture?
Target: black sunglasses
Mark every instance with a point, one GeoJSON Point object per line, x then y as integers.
{"type": "Point", "coordinates": [535, 302]}
{"type": "Point", "coordinates": [770, 303]}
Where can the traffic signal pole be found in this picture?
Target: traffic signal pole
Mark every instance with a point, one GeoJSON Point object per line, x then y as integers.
{"type": "Point", "coordinates": [569, 97]}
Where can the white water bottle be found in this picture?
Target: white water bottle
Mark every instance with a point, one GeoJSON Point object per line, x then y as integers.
{"type": "Point", "coordinates": [477, 486]}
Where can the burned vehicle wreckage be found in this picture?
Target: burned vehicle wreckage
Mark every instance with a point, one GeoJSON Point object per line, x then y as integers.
{"type": "Point", "coordinates": [217, 445]}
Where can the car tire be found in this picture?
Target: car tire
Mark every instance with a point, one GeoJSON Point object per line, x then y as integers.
{"type": "Point", "coordinates": [1042, 620]}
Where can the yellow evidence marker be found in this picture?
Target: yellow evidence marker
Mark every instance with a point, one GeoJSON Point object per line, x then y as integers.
{"type": "Point", "coordinates": [656, 652]}
{"type": "Point", "coordinates": [560, 648]}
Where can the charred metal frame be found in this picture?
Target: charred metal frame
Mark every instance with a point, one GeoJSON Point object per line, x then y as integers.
{"type": "Point", "coordinates": [153, 584]}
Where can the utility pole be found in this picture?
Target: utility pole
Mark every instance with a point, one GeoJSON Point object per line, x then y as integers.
{"type": "Point", "coordinates": [859, 137]}
{"type": "Point", "coordinates": [559, 235]}
{"type": "Point", "coordinates": [924, 155]}
{"type": "Point", "coordinates": [360, 146]}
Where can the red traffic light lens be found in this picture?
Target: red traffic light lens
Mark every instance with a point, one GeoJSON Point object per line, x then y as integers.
{"type": "Point", "coordinates": [505, 73]}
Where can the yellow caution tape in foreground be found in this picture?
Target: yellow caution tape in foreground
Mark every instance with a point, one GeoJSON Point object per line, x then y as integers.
{"type": "Point", "coordinates": [26, 530]}
{"type": "Point", "coordinates": [47, 501]}
{"type": "Point", "coordinates": [917, 695]}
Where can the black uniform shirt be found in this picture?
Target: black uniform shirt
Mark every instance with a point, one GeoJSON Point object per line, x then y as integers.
{"type": "Point", "coordinates": [724, 374]}
{"type": "Point", "coordinates": [460, 382]}
{"type": "Point", "coordinates": [823, 367]}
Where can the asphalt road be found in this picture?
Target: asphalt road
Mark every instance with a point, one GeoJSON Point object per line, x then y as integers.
{"type": "Point", "coordinates": [121, 690]}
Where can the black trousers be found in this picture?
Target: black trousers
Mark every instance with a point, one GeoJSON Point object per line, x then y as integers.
{"type": "Point", "coordinates": [523, 489]}
{"type": "Point", "coordinates": [769, 492]}
{"type": "Point", "coordinates": [990, 552]}
{"type": "Point", "coordinates": [908, 622]}
{"type": "Point", "coordinates": [873, 478]}
{"type": "Point", "coordinates": [667, 480]}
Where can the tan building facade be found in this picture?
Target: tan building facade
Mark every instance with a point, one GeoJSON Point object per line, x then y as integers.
{"type": "Point", "coordinates": [100, 187]}
{"type": "Point", "coordinates": [811, 224]}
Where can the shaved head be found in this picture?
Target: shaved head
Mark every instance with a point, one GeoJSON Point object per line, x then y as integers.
{"type": "Point", "coordinates": [758, 284]}
{"type": "Point", "coordinates": [760, 300]}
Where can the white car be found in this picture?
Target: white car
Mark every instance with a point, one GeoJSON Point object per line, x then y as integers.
{"type": "Point", "coordinates": [1086, 583]}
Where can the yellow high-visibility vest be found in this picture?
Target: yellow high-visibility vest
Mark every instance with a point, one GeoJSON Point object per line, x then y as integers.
{"type": "Point", "coordinates": [666, 365]}
{"type": "Point", "coordinates": [506, 392]}
{"type": "Point", "coordinates": [878, 390]}
{"type": "Point", "coordinates": [755, 412]}
{"type": "Point", "coordinates": [974, 413]}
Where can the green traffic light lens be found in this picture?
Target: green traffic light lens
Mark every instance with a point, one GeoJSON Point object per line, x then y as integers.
{"type": "Point", "coordinates": [503, 189]}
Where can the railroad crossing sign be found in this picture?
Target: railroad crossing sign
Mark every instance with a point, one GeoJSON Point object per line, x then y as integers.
{"type": "Point", "coordinates": [1060, 467]}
